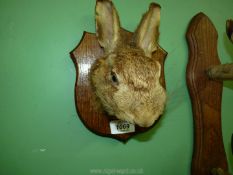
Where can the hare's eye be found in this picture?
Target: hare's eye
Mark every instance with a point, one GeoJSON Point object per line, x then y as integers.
{"type": "Point", "coordinates": [114, 77]}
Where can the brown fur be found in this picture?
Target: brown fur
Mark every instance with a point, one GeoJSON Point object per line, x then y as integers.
{"type": "Point", "coordinates": [126, 79]}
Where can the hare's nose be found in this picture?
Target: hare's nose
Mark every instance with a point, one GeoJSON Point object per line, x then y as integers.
{"type": "Point", "coordinates": [144, 119]}
{"type": "Point", "coordinates": [145, 124]}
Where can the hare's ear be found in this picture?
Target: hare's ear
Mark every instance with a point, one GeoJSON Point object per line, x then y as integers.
{"type": "Point", "coordinates": [147, 34]}
{"type": "Point", "coordinates": [107, 25]}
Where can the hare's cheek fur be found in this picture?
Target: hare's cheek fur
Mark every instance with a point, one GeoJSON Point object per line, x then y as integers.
{"type": "Point", "coordinates": [102, 87]}
{"type": "Point", "coordinates": [139, 107]}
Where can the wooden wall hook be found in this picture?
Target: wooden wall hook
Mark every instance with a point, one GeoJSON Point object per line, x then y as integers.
{"type": "Point", "coordinates": [206, 97]}
{"type": "Point", "coordinates": [97, 121]}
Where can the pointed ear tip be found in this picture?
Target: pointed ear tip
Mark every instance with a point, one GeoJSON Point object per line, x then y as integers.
{"type": "Point", "coordinates": [154, 5]}
{"type": "Point", "coordinates": [104, 1]}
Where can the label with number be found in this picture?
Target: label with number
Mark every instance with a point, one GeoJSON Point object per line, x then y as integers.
{"type": "Point", "coordinates": [121, 127]}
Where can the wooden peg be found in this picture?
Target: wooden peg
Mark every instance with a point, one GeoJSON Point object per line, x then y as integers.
{"type": "Point", "coordinates": [221, 72]}
{"type": "Point", "coordinates": [219, 171]}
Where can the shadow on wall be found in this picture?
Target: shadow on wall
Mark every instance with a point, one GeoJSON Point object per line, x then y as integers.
{"type": "Point", "coordinates": [143, 137]}
{"type": "Point", "coordinates": [229, 49]}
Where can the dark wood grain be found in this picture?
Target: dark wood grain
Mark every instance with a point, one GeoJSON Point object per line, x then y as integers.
{"type": "Point", "coordinates": [94, 118]}
{"type": "Point", "coordinates": [206, 97]}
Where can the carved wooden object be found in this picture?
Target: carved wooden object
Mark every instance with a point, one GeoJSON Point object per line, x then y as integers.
{"type": "Point", "coordinates": [83, 56]}
{"type": "Point", "coordinates": [206, 97]}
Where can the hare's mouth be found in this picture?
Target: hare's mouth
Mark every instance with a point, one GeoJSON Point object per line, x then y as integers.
{"type": "Point", "coordinates": [126, 117]}
{"type": "Point", "coordinates": [131, 118]}
{"type": "Point", "coordinates": [142, 120]}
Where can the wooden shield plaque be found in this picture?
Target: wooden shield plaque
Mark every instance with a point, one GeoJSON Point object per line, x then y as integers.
{"type": "Point", "coordinates": [94, 118]}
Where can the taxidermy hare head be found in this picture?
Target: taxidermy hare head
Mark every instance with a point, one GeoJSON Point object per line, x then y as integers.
{"type": "Point", "coordinates": [126, 78]}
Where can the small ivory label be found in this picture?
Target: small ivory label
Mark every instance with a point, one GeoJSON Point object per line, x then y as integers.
{"type": "Point", "coordinates": [121, 127]}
